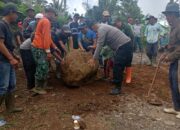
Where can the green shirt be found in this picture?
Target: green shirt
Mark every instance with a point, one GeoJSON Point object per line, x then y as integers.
{"type": "Point", "coordinates": [127, 30]}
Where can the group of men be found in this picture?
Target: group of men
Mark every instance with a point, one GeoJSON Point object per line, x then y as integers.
{"type": "Point", "coordinates": [43, 38]}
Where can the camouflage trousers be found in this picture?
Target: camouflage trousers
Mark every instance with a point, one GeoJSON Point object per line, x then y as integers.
{"type": "Point", "coordinates": [42, 65]}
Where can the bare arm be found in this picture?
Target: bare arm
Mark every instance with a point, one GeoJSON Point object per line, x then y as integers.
{"type": "Point", "coordinates": [63, 46]}
{"type": "Point", "coordinates": [71, 42]}
{"type": "Point", "coordinates": [80, 45]}
{"type": "Point", "coordinates": [18, 40]}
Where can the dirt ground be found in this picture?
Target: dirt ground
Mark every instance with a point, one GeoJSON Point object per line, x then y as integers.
{"type": "Point", "coordinates": [99, 110]}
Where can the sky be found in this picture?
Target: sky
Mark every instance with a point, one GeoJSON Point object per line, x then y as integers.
{"type": "Point", "coordinates": [152, 7]}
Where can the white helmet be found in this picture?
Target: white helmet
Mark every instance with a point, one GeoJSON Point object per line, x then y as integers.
{"type": "Point", "coordinates": [39, 16]}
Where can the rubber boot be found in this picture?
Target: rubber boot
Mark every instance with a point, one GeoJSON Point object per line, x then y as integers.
{"type": "Point", "coordinates": [116, 90]}
{"type": "Point", "coordinates": [128, 75]}
{"type": "Point", "coordinates": [2, 97]}
{"type": "Point", "coordinates": [39, 89]}
{"type": "Point", "coordinates": [10, 103]}
{"type": "Point", "coordinates": [154, 62]}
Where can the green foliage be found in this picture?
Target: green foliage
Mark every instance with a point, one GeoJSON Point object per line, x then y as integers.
{"type": "Point", "coordinates": [59, 5]}
{"type": "Point", "coordinates": [62, 19]}
{"type": "Point", "coordinates": [117, 8]}
{"type": "Point", "coordinates": [129, 8]}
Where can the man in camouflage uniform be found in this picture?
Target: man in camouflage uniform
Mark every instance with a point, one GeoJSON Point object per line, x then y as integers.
{"type": "Point", "coordinates": [172, 55]}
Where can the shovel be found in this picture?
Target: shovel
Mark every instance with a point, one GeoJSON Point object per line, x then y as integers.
{"type": "Point", "coordinates": [154, 101]}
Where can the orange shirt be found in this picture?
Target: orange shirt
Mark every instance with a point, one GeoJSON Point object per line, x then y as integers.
{"type": "Point", "coordinates": [42, 37]}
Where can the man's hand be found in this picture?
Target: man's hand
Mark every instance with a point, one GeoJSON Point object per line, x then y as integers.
{"type": "Point", "coordinates": [58, 51]}
{"type": "Point", "coordinates": [49, 56]}
{"type": "Point", "coordinates": [165, 58]}
{"type": "Point", "coordinates": [62, 62]}
{"type": "Point", "coordinates": [17, 58]}
{"type": "Point", "coordinates": [92, 62]}
{"type": "Point", "coordinates": [92, 47]}
{"type": "Point", "coordinates": [14, 63]}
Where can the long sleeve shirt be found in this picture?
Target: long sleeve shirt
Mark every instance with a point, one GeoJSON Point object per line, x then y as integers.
{"type": "Point", "coordinates": [42, 37]}
{"type": "Point", "coordinates": [113, 37]}
{"type": "Point", "coordinates": [174, 43]}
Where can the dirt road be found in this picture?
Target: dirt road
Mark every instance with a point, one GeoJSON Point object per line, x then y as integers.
{"type": "Point", "coordinates": [100, 111]}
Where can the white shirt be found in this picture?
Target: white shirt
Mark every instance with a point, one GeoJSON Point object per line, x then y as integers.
{"type": "Point", "coordinates": [137, 30]}
{"type": "Point", "coordinates": [152, 32]}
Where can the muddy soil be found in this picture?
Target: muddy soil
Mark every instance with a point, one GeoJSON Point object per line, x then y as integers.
{"type": "Point", "coordinates": [100, 111]}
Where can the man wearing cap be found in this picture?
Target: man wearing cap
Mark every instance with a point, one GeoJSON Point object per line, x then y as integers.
{"type": "Point", "coordinates": [172, 55]}
{"type": "Point", "coordinates": [26, 54]}
{"type": "Point", "coordinates": [152, 33]}
{"type": "Point", "coordinates": [74, 28]}
{"type": "Point", "coordinates": [8, 61]}
{"type": "Point", "coordinates": [87, 38]}
{"type": "Point", "coordinates": [106, 17]}
{"type": "Point", "coordinates": [137, 36]}
{"type": "Point", "coordinates": [122, 47]}
{"type": "Point", "coordinates": [30, 17]}
{"type": "Point", "coordinates": [41, 50]}
{"type": "Point", "coordinates": [64, 42]}
{"type": "Point", "coordinates": [125, 28]}
{"type": "Point", "coordinates": [27, 33]}
{"type": "Point", "coordinates": [65, 39]}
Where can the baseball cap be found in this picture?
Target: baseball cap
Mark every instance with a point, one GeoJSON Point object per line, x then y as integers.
{"type": "Point", "coordinates": [39, 16]}
{"type": "Point", "coordinates": [82, 25]}
{"type": "Point", "coordinates": [106, 13]}
{"type": "Point", "coordinates": [50, 9]}
{"type": "Point", "coordinates": [10, 8]}
{"type": "Point", "coordinates": [30, 9]}
{"type": "Point", "coordinates": [76, 15]}
{"type": "Point", "coordinates": [66, 29]}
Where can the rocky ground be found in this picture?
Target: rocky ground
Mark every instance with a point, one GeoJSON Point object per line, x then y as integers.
{"type": "Point", "coordinates": [99, 110]}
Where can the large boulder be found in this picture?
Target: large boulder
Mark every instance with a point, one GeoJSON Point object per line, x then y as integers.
{"type": "Point", "coordinates": [76, 70]}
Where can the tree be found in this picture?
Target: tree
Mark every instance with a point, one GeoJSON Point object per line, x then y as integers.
{"type": "Point", "coordinates": [59, 5]}
{"type": "Point", "coordinates": [129, 8]}
{"type": "Point", "coordinates": [117, 8]}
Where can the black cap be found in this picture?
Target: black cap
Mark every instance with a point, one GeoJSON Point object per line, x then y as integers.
{"type": "Point", "coordinates": [76, 15]}
{"type": "Point", "coordinates": [82, 25]}
{"type": "Point", "coordinates": [92, 23]}
{"type": "Point", "coordinates": [10, 8]}
{"type": "Point", "coordinates": [150, 17]}
{"type": "Point", "coordinates": [30, 9]}
{"type": "Point", "coordinates": [50, 10]}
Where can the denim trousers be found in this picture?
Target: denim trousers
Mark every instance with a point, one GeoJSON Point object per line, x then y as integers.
{"type": "Point", "coordinates": [138, 44]}
{"type": "Point", "coordinates": [173, 78]}
{"type": "Point", "coordinates": [152, 50]}
{"type": "Point", "coordinates": [7, 78]}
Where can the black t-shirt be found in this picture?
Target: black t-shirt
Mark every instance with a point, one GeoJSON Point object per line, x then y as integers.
{"type": "Point", "coordinates": [7, 35]}
{"type": "Point", "coordinates": [18, 33]}
{"type": "Point", "coordinates": [74, 25]}
{"type": "Point", "coordinates": [64, 37]}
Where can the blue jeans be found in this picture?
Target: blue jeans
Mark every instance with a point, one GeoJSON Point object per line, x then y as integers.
{"type": "Point", "coordinates": [7, 78]}
{"type": "Point", "coordinates": [137, 44]}
{"type": "Point", "coordinates": [173, 78]}
{"type": "Point", "coordinates": [152, 50]}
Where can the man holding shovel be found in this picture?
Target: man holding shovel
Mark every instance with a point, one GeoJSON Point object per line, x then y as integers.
{"type": "Point", "coordinates": [172, 55]}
